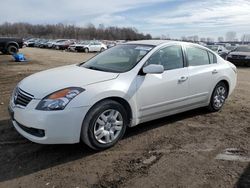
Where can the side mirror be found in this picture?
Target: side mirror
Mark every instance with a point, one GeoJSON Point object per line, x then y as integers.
{"type": "Point", "coordinates": [153, 69]}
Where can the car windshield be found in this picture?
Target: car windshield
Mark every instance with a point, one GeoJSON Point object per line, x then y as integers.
{"type": "Point", "coordinates": [243, 49]}
{"type": "Point", "coordinates": [120, 58]}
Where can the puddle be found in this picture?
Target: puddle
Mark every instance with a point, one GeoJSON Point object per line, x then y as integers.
{"type": "Point", "coordinates": [233, 154]}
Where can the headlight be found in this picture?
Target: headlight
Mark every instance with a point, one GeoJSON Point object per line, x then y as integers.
{"type": "Point", "coordinates": [59, 99]}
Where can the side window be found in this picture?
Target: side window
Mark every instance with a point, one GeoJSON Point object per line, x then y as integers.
{"type": "Point", "coordinates": [212, 58]}
{"type": "Point", "coordinates": [170, 57]}
{"type": "Point", "coordinates": [197, 56]}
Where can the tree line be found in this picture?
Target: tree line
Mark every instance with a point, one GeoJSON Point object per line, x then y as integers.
{"type": "Point", "coordinates": [53, 31]}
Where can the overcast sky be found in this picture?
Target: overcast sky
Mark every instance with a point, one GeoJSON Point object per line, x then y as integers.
{"type": "Point", "coordinates": [174, 17]}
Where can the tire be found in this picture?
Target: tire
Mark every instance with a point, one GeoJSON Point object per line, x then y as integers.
{"type": "Point", "coordinates": [102, 49]}
{"type": "Point", "coordinates": [12, 49]}
{"type": "Point", "coordinates": [96, 130]}
{"type": "Point", "coordinates": [218, 97]}
{"type": "Point", "coordinates": [86, 50]}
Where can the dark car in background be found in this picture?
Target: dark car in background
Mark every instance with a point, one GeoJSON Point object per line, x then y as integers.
{"type": "Point", "coordinates": [43, 43]}
{"type": "Point", "coordinates": [240, 56]}
{"type": "Point", "coordinates": [64, 44]}
{"type": "Point", "coordinates": [10, 45]}
{"type": "Point", "coordinates": [219, 49]}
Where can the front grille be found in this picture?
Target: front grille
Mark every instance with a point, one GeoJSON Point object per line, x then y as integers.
{"type": "Point", "coordinates": [238, 56]}
{"type": "Point", "coordinates": [22, 98]}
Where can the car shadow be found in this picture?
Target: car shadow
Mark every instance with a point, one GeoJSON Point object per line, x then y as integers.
{"type": "Point", "coordinates": [244, 180]}
{"type": "Point", "coordinates": [20, 157]}
{"type": "Point", "coordinates": [141, 128]}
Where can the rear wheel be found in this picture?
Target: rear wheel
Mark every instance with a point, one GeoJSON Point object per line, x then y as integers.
{"type": "Point", "coordinates": [218, 97]}
{"type": "Point", "coordinates": [12, 49]}
{"type": "Point", "coordinates": [86, 50]}
{"type": "Point", "coordinates": [104, 125]}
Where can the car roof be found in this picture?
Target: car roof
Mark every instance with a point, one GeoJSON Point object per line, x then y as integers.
{"type": "Point", "coordinates": [156, 42]}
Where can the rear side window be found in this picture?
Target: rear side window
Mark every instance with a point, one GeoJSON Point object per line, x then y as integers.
{"type": "Point", "coordinates": [197, 56]}
{"type": "Point", "coordinates": [212, 58]}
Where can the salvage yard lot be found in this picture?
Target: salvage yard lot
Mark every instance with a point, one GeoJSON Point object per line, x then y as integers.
{"type": "Point", "coordinates": [177, 151]}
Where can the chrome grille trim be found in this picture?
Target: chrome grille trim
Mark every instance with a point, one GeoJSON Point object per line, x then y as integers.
{"type": "Point", "coordinates": [22, 98]}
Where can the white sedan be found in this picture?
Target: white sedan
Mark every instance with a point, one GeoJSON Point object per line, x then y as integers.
{"type": "Point", "coordinates": [126, 85]}
{"type": "Point", "coordinates": [91, 46]}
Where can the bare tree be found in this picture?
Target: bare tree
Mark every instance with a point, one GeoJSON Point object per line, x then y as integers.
{"type": "Point", "coordinates": [60, 30]}
{"type": "Point", "coordinates": [245, 38]}
{"type": "Point", "coordinates": [220, 39]}
{"type": "Point", "coordinates": [230, 36]}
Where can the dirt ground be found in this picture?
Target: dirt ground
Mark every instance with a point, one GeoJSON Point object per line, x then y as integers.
{"type": "Point", "coordinates": [192, 149]}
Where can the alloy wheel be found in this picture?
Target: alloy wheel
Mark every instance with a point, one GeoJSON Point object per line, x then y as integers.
{"type": "Point", "coordinates": [108, 126]}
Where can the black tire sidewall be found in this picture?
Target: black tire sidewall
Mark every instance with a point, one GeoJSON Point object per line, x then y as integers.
{"type": "Point", "coordinates": [87, 134]}
{"type": "Point", "coordinates": [11, 48]}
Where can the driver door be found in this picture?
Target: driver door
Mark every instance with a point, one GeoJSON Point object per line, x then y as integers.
{"type": "Point", "coordinates": [159, 94]}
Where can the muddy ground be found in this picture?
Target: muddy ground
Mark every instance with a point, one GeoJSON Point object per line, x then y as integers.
{"type": "Point", "coordinates": [176, 151]}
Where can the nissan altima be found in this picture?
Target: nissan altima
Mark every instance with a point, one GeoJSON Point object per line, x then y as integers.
{"type": "Point", "coordinates": [124, 86]}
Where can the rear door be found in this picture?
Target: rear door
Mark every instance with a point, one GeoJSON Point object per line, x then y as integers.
{"type": "Point", "coordinates": [200, 72]}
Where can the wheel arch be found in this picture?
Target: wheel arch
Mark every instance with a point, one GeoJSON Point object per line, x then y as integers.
{"type": "Point", "coordinates": [121, 101]}
{"type": "Point", "coordinates": [225, 81]}
{"type": "Point", "coordinates": [227, 85]}
{"type": "Point", "coordinates": [11, 43]}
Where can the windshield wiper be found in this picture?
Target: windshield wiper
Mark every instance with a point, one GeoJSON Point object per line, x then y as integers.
{"type": "Point", "coordinates": [94, 68]}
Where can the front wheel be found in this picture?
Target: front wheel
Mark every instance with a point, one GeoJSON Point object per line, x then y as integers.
{"type": "Point", "coordinates": [218, 97]}
{"type": "Point", "coordinates": [104, 125]}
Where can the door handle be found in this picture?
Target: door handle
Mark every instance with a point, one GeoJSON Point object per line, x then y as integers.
{"type": "Point", "coordinates": [214, 71]}
{"type": "Point", "coordinates": [182, 79]}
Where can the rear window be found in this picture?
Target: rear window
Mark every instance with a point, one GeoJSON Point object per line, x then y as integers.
{"type": "Point", "coordinates": [197, 56]}
{"type": "Point", "coordinates": [212, 58]}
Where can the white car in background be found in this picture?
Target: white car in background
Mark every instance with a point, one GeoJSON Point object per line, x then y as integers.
{"type": "Point", "coordinates": [80, 44]}
{"type": "Point", "coordinates": [121, 87]}
{"type": "Point", "coordinates": [91, 46]}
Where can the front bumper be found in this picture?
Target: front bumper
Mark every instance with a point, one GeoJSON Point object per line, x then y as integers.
{"type": "Point", "coordinates": [239, 61]}
{"type": "Point", "coordinates": [48, 127]}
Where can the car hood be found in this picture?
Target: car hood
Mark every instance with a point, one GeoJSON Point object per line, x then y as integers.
{"type": "Point", "coordinates": [240, 53]}
{"type": "Point", "coordinates": [46, 82]}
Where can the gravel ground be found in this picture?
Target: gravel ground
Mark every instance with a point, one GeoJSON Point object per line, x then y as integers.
{"type": "Point", "coordinates": [192, 149]}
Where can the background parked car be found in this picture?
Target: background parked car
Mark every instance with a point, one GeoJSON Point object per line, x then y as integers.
{"type": "Point", "coordinates": [53, 43]}
{"type": "Point", "coordinates": [62, 45]}
{"type": "Point", "coordinates": [30, 42]}
{"type": "Point", "coordinates": [230, 48]}
{"type": "Point", "coordinates": [240, 55]}
{"type": "Point", "coordinates": [10, 45]}
{"type": "Point", "coordinates": [42, 43]}
{"type": "Point", "coordinates": [219, 49]}
{"type": "Point", "coordinates": [72, 47]}
{"type": "Point", "coordinates": [92, 46]}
